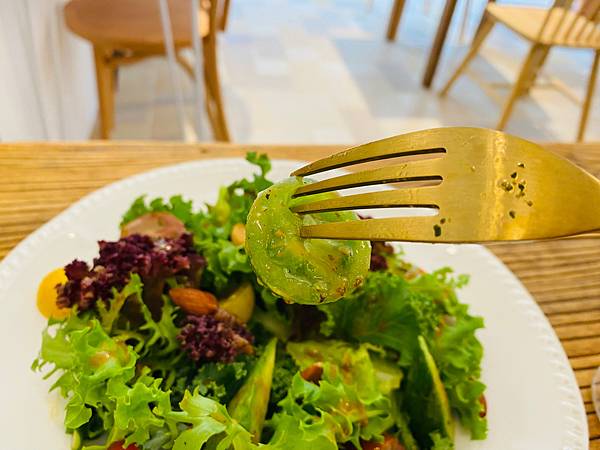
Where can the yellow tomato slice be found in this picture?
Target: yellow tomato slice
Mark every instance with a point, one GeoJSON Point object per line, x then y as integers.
{"type": "Point", "coordinates": [46, 295]}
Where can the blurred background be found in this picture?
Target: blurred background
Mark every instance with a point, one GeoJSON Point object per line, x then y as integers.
{"type": "Point", "coordinates": [289, 71]}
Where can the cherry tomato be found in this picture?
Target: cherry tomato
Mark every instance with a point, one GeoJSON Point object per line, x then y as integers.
{"type": "Point", "coordinates": [46, 295]}
{"type": "Point", "coordinates": [119, 446]}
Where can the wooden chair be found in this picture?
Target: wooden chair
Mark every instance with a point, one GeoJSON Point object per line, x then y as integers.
{"type": "Point", "coordinates": [127, 31]}
{"type": "Point", "coordinates": [562, 25]}
{"type": "Point", "coordinates": [224, 15]}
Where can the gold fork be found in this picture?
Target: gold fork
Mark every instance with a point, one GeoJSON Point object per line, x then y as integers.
{"type": "Point", "coordinates": [484, 186]}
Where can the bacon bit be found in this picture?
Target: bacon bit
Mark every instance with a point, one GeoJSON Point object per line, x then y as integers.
{"type": "Point", "coordinates": [313, 373]}
{"type": "Point", "coordinates": [194, 301]}
{"type": "Point", "coordinates": [389, 443]}
{"type": "Point", "coordinates": [483, 402]}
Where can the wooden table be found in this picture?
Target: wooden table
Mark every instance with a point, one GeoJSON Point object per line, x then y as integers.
{"type": "Point", "coordinates": [37, 181]}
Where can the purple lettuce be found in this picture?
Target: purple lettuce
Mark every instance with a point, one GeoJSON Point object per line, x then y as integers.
{"type": "Point", "coordinates": [153, 259]}
{"type": "Point", "coordinates": [379, 253]}
{"type": "Point", "coordinates": [214, 337]}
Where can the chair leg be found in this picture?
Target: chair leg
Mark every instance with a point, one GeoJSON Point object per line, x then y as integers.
{"type": "Point", "coordinates": [395, 17]}
{"type": "Point", "coordinates": [185, 65]}
{"type": "Point", "coordinates": [524, 75]}
{"type": "Point", "coordinates": [213, 90]}
{"type": "Point", "coordinates": [538, 63]}
{"type": "Point", "coordinates": [588, 96]}
{"type": "Point", "coordinates": [224, 15]}
{"type": "Point", "coordinates": [105, 84]}
{"type": "Point", "coordinates": [486, 25]}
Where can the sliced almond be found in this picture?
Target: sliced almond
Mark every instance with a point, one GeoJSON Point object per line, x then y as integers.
{"type": "Point", "coordinates": [194, 301]}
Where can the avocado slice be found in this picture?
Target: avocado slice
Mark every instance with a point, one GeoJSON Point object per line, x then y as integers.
{"type": "Point", "coordinates": [425, 399]}
{"type": "Point", "coordinates": [249, 405]}
{"type": "Point", "coordinates": [401, 421]}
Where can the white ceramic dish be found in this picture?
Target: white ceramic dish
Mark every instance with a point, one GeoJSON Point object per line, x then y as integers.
{"type": "Point", "coordinates": [533, 398]}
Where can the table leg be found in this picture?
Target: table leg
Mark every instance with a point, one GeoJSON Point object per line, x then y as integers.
{"type": "Point", "coordinates": [395, 17]}
{"type": "Point", "coordinates": [438, 43]}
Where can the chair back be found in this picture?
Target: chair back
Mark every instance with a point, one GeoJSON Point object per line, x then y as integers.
{"type": "Point", "coordinates": [572, 23]}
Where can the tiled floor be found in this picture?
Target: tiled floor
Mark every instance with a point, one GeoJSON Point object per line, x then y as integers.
{"type": "Point", "coordinates": [320, 71]}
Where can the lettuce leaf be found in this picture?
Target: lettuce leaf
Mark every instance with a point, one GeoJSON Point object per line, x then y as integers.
{"type": "Point", "coordinates": [391, 311]}
{"type": "Point", "coordinates": [176, 205]}
{"type": "Point", "coordinates": [355, 365]}
{"type": "Point", "coordinates": [95, 359]}
{"type": "Point", "coordinates": [347, 405]}
{"type": "Point", "coordinates": [458, 355]}
{"type": "Point", "coordinates": [384, 312]}
{"type": "Point", "coordinates": [208, 419]}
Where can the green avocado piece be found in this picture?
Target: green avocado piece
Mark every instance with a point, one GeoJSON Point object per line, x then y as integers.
{"type": "Point", "coordinates": [250, 403]}
{"type": "Point", "coordinates": [404, 434]}
{"type": "Point", "coordinates": [308, 271]}
{"type": "Point", "coordinates": [425, 399]}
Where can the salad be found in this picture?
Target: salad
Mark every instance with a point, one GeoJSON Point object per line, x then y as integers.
{"type": "Point", "coordinates": [220, 328]}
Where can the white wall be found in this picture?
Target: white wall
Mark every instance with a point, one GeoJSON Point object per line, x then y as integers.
{"type": "Point", "coordinates": [47, 80]}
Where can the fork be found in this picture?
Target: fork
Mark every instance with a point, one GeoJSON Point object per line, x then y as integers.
{"type": "Point", "coordinates": [482, 185]}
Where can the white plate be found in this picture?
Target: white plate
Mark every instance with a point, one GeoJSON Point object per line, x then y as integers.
{"type": "Point", "coordinates": [533, 398]}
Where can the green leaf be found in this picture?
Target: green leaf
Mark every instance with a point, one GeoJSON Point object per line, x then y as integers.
{"type": "Point", "coordinates": [109, 314]}
{"type": "Point", "coordinates": [76, 412]}
{"type": "Point", "coordinates": [348, 404]}
{"type": "Point", "coordinates": [218, 381]}
{"type": "Point", "coordinates": [441, 443]}
{"type": "Point", "coordinates": [176, 205]}
{"type": "Point", "coordinates": [369, 376]}
{"type": "Point", "coordinates": [425, 399]}
{"type": "Point", "coordinates": [198, 435]}
{"type": "Point", "coordinates": [138, 208]}
{"type": "Point", "coordinates": [384, 312]}
{"type": "Point", "coordinates": [207, 419]}
{"type": "Point", "coordinates": [401, 422]}
{"type": "Point", "coordinates": [292, 433]}
{"type": "Point", "coordinates": [136, 407]}
{"type": "Point", "coordinates": [161, 336]}
{"type": "Point", "coordinates": [458, 354]}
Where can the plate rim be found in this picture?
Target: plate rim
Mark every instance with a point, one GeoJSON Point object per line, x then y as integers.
{"type": "Point", "coordinates": [575, 435]}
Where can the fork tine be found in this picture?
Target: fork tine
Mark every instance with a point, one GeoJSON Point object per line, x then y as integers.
{"type": "Point", "coordinates": [424, 197]}
{"type": "Point", "coordinates": [411, 229]}
{"type": "Point", "coordinates": [417, 143]}
{"type": "Point", "coordinates": [426, 170]}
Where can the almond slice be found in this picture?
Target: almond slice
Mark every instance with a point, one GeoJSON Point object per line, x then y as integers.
{"type": "Point", "coordinates": [194, 301]}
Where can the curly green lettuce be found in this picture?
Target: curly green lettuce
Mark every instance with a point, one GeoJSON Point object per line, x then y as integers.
{"type": "Point", "coordinates": [391, 311]}
{"type": "Point", "coordinates": [347, 404]}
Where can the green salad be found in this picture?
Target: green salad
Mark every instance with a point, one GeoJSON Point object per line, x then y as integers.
{"type": "Point", "coordinates": [218, 327]}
